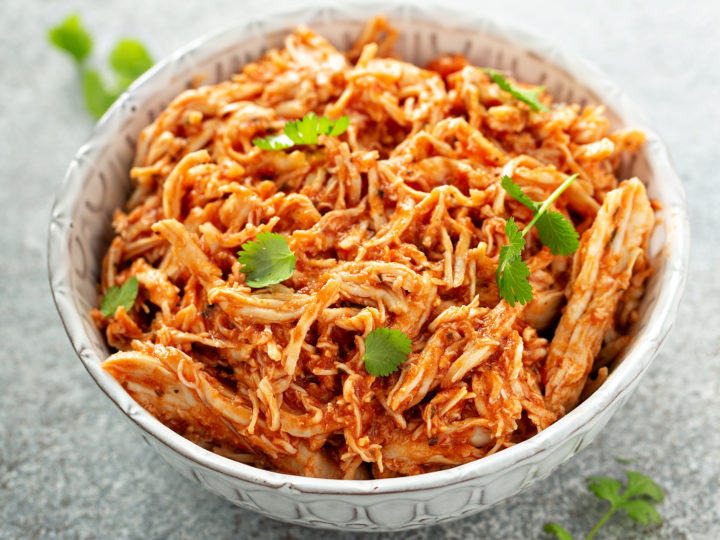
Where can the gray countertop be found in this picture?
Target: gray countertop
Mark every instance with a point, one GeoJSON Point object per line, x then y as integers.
{"type": "Point", "coordinates": [70, 466]}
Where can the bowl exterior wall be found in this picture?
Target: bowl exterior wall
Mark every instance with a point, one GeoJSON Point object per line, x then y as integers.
{"type": "Point", "coordinates": [384, 511]}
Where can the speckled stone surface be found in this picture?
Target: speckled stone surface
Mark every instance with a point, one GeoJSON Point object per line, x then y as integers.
{"type": "Point", "coordinates": [70, 467]}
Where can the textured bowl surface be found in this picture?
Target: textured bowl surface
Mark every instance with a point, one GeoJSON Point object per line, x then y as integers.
{"type": "Point", "coordinates": [97, 183]}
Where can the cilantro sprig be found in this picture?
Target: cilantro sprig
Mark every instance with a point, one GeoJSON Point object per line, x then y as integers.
{"type": "Point", "coordinates": [123, 295]}
{"type": "Point", "coordinates": [385, 350]}
{"type": "Point", "coordinates": [129, 59]}
{"type": "Point", "coordinates": [303, 131]}
{"type": "Point", "coordinates": [639, 498]}
{"type": "Point", "coordinates": [267, 260]}
{"type": "Point", "coordinates": [556, 232]}
{"type": "Point", "coordinates": [531, 97]}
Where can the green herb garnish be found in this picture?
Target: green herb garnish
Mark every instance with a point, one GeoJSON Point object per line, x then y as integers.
{"type": "Point", "coordinates": [98, 97]}
{"type": "Point", "coordinates": [385, 350]}
{"type": "Point", "coordinates": [119, 296]}
{"type": "Point", "coordinates": [267, 260]}
{"type": "Point", "coordinates": [556, 232]}
{"type": "Point", "coordinates": [129, 59]}
{"type": "Point", "coordinates": [71, 37]}
{"type": "Point", "coordinates": [303, 131]}
{"type": "Point", "coordinates": [558, 530]}
{"type": "Point", "coordinates": [512, 273]}
{"type": "Point", "coordinates": [526, 96]}
{"type": "Point", "coordinates": [638, 500]}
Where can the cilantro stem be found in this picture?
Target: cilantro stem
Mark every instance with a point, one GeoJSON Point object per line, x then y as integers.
{"type": "Point", "coordinates": [613, 508]}
{"type": "Point", "coordinates": [545, 205]}
{"type": "Point", "coordinates": [602, 521]}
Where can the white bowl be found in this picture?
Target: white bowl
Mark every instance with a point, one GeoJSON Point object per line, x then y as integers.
{"type": "Point", "coordinates": [97, 182]}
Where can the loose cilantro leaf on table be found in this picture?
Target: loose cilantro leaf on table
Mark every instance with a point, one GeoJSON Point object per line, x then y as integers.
{"type": "Point", "coordinates": [129, 59]}
{"type": "Point", "coordinates": [529, 97]}
{"type": "Point", "coordinates": [267, 260]}
{"type": "Point", "coordinates": [303, 131]}
{"type": "Point", "coordinates": [70, 36]}
{"type": "Point", "coordinates": [558, 531]}
{"type": "Point", "coordinates": [98, 97]}
{"type": "Point", "coordinates": [642, 485]}
{"type": "Point", "coordinates": [554, 230]}
{"type": "Point", "coordinates": [119, 296]}
{"type": "Point", "coordinates": [638, 500]}
{"type": "Point", "coordinates": [385, 350]}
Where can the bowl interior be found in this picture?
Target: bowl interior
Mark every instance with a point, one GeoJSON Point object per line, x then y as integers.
{"type": "Point", "coordinates": [97, 180]}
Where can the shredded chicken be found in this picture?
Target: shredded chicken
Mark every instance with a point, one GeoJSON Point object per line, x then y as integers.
{"type": "Point", "coordinates": [602, 270]}
{"type": "Point", "coordinates": [396, 223]}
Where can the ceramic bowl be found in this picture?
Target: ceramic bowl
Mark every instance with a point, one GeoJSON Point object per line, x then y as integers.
{"type": "Point", "coordinates": [97, 182]}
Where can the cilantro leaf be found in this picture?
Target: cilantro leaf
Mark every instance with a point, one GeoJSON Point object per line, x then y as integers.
{"type": "Point", "coordinates": [605, 488]}
{"type": "Point", "coordinates": [385, 350]}
{"type": "Point", "coordinates": [130, 59]}
{"type": "Point", "coordinates": [516, 192]}
{"type": "Point", "coordinates": [119, 296]}
{"type": "Point", "coordinates": [323, 125]}
{"type": "Point", "coordinates": [70, 36]}
{"type": "Point", "coordinates": [516, 242]}
{"type": "Point", "coordinates": [274, 142]}
{"type": "Point", "coordinates": [97, 97]}
{"type": "Point", "coordinates": [267, 260]}
{"type": "Point", "coordinates": [338, 127]}
{"type": "Point", "coordinates": [512, 273]}
{"type": "Point", "coordinates": [514, 284]}
{"type": "Point", "coordinates": [303, 131]}
{"type": "Point", "coordinates": [642, 511]}
{"type": "Point", "coordinates": [558, 531]}
{"type": "Point", "coordinates": [639, 484]}
{"type": "Point", "coordinates": [557, 233]}
{"type": "Point", "coordinates": [529, 97]}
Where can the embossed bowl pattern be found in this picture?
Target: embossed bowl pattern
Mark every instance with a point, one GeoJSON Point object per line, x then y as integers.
{"type": "Point", "coordinates": [97, 182]}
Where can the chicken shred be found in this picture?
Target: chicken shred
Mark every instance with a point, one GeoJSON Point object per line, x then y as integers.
{"type": "Point", "coordinates": [602, 270]}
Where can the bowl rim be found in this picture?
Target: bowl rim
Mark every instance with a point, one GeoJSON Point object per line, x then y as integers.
{"type": "Point", "coordinates": [642, 350]}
